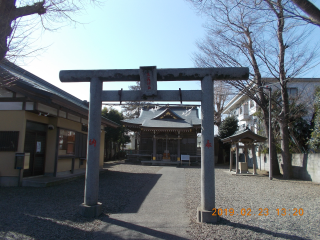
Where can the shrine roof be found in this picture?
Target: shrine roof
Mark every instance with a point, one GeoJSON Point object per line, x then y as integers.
{"type": "Point", "coordinates": [245, 135]}
{"type": "Point", "coordinates": [166, 117]}
{"type": "Point", "coordinates": [44, 92]}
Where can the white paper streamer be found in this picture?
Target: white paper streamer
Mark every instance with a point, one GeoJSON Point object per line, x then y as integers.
{"type": "Point", "coordinates": [187, 112]}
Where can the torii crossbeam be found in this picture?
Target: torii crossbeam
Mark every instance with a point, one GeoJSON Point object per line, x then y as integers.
{"type": "Point", "coordinates": [148, 77]}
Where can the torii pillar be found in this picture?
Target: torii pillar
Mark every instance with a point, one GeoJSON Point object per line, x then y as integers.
{"type": "Point", "coordinates": [148, 76]}
{"type": "Point", "coordinates": [205, 210]}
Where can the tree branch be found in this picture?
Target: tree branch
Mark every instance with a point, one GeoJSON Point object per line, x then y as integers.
{"type": "Point", "coordinates": [37, 8]}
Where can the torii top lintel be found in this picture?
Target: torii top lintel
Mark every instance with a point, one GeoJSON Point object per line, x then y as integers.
{"type": "Point", "coordinates": [163, 74]}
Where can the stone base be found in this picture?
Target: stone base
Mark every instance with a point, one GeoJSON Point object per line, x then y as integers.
{"type": "Point", "coordinates": [204, 216]}
{"type": "Point", "coordinates": [243, 167]}
{"type": "Point", "coordinates": [91, 211]}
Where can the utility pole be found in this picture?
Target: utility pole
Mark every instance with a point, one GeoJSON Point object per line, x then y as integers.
{"type": "Point", "coordinates": [270, 129]}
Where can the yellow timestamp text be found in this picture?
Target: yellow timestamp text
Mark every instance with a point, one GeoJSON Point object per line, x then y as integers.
{"type": "Point", "coordinates": [260, 212]}
{"type": "Point", "coordinates": [290, 212]}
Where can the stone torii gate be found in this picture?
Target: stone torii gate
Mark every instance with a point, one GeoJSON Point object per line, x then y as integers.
{"type": "Point", "coordinates": [148, 77]}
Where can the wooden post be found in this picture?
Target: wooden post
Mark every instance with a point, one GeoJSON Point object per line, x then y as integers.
{"type": "Point", "coordinates": [246, 152]}
{"type": "Point", "coordinates": [237, 158]}
{"type": "Point", "coordinates": [231, 159]}
{"type": "Point", "coordinates": [254, 159]}
{"type": "Point", "coordinates": [178, 152]}
{"type": "Point", "coordinates": [154, 146]}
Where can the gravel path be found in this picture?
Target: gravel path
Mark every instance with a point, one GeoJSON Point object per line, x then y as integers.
{"type": "Point", "coordinates": [52, 212]}
{"type": "Point", "coordinates": [252, 192]}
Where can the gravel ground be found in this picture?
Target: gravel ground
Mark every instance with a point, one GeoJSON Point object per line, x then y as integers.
{"type": "Point", "coordinates": [52, 212]}
{"type": "Point", "coordinates": [251, 192]}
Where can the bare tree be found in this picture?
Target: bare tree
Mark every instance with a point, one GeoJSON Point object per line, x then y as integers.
{"type": "Point", "coordinates": [244, 33]}
{"type": "Point", "coordinates": [291, 59]}
{"type": "Point", "coordinates": [132, 109]}
{"type": "Point", "coordinates": [19, 18]}
{"type": "Point", "coordinates": [231, 42]}
{"type": "Point", "coordinates": [222, 93]}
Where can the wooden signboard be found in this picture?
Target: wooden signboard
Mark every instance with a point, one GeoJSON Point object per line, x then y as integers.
{"type": "Point", "coordinates": [148, 81]}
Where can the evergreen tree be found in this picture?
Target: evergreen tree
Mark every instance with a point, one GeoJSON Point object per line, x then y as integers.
{"type": "Point", "coordinates": [228, 127]}
{"type": "Point", "coordinates": [314, 141]}
{"type": "Point", "coordinates": [115, 135]}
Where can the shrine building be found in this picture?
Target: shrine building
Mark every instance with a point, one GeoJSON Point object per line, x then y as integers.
{"type": "Point", "coordinates": [166, 133]}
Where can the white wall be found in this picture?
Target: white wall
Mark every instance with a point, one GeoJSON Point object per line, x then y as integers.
{"type": "Point", "coordinates": [304, 166]}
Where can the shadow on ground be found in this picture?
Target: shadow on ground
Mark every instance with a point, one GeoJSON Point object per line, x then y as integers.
{"type": "Point", "coordinates": [104, 234]}
{"type": "Point", "coordinates": [259, 230]}
{"type": "Point", "coordinates": [52, 212]}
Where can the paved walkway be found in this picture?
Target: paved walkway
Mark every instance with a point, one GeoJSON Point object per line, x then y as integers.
{"type": "Point", "coordinates": [47, 181]}
{"type": "Point", "coordinates": [162, 214]}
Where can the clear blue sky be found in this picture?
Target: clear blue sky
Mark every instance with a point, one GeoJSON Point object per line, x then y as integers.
{"type": "Point", "coordinates": [122, 34]}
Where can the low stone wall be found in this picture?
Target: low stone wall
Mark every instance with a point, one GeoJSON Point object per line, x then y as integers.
{"type": "Point", "coordinates": [304, 166]}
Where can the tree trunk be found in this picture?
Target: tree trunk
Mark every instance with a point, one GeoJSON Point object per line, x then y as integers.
{"type": "Point", "coordinates": [217, 122]}
{"type": "Point", "coordinates": [8, 14]}
{"type": "Point", "coordinates": [6, 8]}
{"type": "Point", "coordinates": [284, 132]}
{"type": "Point", "coordinates": [273, 157]}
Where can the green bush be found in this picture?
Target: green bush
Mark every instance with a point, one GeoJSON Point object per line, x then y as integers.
{"type": "Point", "coordinates": [228, 127]}
{"type": "Point", "coordinates": [314, 141]}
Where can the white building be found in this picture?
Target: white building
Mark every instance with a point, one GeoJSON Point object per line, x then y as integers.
{"type": "Point", "coordinates": [244, 108]}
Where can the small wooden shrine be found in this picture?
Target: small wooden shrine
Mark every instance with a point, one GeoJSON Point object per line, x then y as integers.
{"type": "Point", "coordinates": [166, 133]}
{"type": "Point", "coordinates": [248, 139]}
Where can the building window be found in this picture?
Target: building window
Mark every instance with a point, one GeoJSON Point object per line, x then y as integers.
{"type": "Point", "coordinates": [241, 110]}
{"type": "Point", "coordinates": [67, 142]}
{"type": "Point", "coordinates": [292, 92]}
{"type": "Point", "coordinates": [9, 140]}
{"type": "Point", "coordinates": [251, 103]}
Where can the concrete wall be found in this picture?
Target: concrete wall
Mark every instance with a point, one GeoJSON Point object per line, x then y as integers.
{"type": "Point", "coordinates": [11, 121]}
{"type": "Point", "coordinates": [304, 166]}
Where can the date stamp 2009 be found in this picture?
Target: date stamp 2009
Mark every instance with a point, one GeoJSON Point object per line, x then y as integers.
{"type": "Point", "coordinates": [260, 212]}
